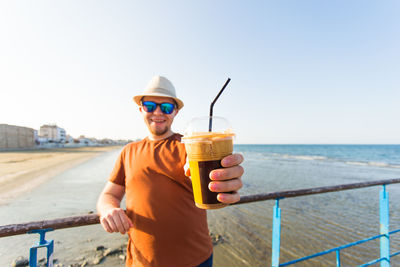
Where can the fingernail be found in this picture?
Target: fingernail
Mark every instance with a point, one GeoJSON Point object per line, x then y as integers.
{"type": "Point", "coordinates": [225, 162]}
{"type": "Point", "coordinates": [214, 175]}
{"type": "Point", "coordinates": [211, 186]}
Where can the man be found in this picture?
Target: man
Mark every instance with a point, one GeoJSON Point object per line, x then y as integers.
{"type": "Point", "coordinates": [165, 227]}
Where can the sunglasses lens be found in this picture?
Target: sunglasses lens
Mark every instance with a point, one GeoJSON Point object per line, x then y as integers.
{"type": "Point", "coordinates": [167, 108]}
{"type": "Point", "coordinates": [149, 106]}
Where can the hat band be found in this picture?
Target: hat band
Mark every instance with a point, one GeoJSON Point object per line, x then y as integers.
{"type": "Point", "coordinates": [162, 91]}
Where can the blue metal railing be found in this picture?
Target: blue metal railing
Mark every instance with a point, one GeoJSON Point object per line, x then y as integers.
{"type": "Point", "coordinates": [383, 236]}
{"type": "Point", "coordinates": [41, 227]}
{"type": "Point", "coordinates": [43, 243]}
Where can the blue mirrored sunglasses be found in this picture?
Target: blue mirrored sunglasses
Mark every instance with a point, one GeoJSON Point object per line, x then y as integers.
{"type": "Point", "coordinates": [150, 106]}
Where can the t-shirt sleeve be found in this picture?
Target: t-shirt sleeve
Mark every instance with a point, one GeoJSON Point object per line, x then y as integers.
{"type": "Point", "coordinates": [118, 173]}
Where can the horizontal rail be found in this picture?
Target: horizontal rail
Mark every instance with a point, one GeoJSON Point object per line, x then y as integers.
{"type": "Point", "coordinates": [372, 262]}
{"type": "Point", "coordinates": [394, 254]}
{"type": "Point", "coordinates": [331, 250]}
{"type": "Point", "coordinates": [313, 191]}
{"type": "Point", "coordinates": [68, 222]}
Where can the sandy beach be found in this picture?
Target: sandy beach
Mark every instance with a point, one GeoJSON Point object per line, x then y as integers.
{"type": "Point", "coordinates": [38, 175]}
{"type": "Point", "coordinates": [22, 171]}
{"type": "Point", "coordinates": [70, 181]}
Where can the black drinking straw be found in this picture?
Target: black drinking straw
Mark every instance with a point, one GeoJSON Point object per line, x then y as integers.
{"type": "Point", "coordinates": [212, 104]}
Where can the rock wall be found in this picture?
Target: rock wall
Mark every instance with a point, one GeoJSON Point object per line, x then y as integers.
{"type": "Point", "coordinates": [16, 137]}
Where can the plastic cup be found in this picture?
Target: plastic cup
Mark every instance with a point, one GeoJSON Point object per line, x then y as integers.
{"type": "Point", "coordinates": [205, 151]}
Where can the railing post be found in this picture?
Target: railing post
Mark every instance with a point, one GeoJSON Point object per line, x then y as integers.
{"type": "Point", "coordinates": [42, 243]}
{"type": "Point", "coordinates": [338, 258]}
{"type": "Point", "coordinates": [276, 234]}
{"type": "Point", "coordinates": [384, 227]}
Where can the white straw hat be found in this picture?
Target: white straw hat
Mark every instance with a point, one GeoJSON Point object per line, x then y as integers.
{"type": "Point", "coordinates": [159, 86]}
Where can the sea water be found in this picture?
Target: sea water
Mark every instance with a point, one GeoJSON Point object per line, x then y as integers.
{"type": "Point", "coordinates": [310, 224]}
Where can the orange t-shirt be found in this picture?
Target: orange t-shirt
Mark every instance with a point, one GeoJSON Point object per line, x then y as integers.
{"type": "Point", "coordinates": [169, 230]}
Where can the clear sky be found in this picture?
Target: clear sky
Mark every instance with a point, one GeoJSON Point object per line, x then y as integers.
{"type": "Point", "coordinates": [302, 71]}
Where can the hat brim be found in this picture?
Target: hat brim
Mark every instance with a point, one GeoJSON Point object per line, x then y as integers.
{"type": "Point", "coordinates": [137, 99]}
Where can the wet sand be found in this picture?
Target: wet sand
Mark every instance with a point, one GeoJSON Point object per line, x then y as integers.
{"type": "Point", "coordinates": [57, 183]}
{"type": "Point", "coordinates": [22, 171]}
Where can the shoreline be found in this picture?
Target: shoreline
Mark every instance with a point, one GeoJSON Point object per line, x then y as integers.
{"type": "Point", "coordinates": [43, 184]}
{"type": "Point", "coordinates": [23, 170]}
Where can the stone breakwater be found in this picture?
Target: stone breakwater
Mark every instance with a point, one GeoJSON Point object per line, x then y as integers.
{"type": "Point", "coordinates": [101, 255]}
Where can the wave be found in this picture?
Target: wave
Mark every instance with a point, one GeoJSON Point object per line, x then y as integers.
{"type": "Point", "coordinates": [372, 163]}
{"type": "Point", "coordinates": [303, 157]}
{"type": "Point", "coordinates": [356, 163]}
{"type": "Point", "coordinates": [326, 159]}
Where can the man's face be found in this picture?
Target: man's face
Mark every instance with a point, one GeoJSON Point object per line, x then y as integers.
{"type": "Point", "coordinates": [158, 123]}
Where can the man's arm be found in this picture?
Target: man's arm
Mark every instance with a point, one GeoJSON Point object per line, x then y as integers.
{"type": "Point", "coordinates": [112, 217]}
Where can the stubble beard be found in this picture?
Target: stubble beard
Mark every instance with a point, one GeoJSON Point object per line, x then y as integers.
{"type": "Point", "coordinates": [159, 132]}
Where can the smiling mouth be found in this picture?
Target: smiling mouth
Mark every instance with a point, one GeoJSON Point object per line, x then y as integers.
{"type": "Point", "coordinates": [158, 121]}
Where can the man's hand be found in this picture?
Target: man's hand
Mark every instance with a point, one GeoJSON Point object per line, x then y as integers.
{"type": "Point", "coordinates": [115, 220]}
{"type": "Point", "coordinates": [112, 217]}
{"type": "Point", "coordinates": [227, 181]}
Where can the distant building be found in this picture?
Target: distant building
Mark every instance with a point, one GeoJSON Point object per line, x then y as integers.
{"type": "Point", "coordinates": [86, 141]}
{"type": "Point", "coordinates": [69, 139]}
{"type": "Point", "coordinates": [52, 133]}
{"type": "Point", "coordinates": [12, 136]}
